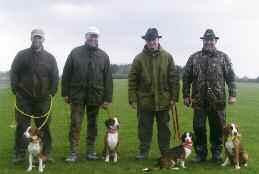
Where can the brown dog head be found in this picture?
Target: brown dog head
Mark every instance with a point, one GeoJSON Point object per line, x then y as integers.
{"type": "Point", "coordinates": [231, 130]}
{"type": "Point", "coordinates": [33, 133]}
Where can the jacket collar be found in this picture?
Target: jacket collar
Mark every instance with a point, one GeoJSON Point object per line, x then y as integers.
{"type": "Point", "coordinates": [151, 52]}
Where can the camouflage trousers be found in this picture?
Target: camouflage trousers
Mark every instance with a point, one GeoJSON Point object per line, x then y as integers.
{"type": "Point", "coordinates": [77, 116]}
{"type": "Point", "coordinates": [145, 130]}
{"type": "Point", "coordinates": [23, 122]}
{"type": "Point", "coordinates": [217, 121]}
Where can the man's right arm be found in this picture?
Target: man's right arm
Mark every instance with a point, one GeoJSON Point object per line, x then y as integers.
{"type": "Point", "coordinates": [187, 81]}
{"type": "Point", "coordinates": [66, 77]}
{"type": "Point", "coordinates": [132, 83]}
{"type": "Point", "coordinates": [14, 73]}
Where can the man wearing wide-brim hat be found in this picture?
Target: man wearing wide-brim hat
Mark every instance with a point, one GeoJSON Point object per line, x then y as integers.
{"type": "Point", "coordinates": [153, 86]}
{"type": "Point", "coordinates": [206, 73]}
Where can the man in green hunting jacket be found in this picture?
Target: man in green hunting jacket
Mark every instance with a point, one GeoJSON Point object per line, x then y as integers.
{"type": "Point", "coordinates": [153, 87]}
{"type": "Point", "coordinates": [86, 85]}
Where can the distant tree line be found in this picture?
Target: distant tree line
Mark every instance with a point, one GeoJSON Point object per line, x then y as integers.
{"type": "Point", "coordinates": [122, 71]}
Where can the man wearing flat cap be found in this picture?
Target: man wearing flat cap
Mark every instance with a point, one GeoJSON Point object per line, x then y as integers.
{"type": "Point", "coordinates": [86, 85]}
{"type": "Point", "coordinates": [206, 73]}
{"type": "Point", "coordinates": [34, 81]}
{"type": "Point", "coordinates": [153, 86]}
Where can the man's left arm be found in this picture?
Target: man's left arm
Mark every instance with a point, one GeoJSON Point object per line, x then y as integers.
{"type": "Point", "coordinates": [229, 76]}
{"type": "Point", "coordinates": [108, 82]}
{"type": "Point", "coordinates": [54, 78]}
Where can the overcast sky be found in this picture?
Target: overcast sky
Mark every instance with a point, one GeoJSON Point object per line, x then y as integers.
{"type": "Point", "coordinates": [122, 23]}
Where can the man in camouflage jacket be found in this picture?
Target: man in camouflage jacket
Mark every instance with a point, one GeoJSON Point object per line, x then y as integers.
{"type": "Point", "coordinates": [153, 86]}
{"type": "Point", "coordinates": [206, 73]}
{"type": "Point", "coordinates": [86, 85]}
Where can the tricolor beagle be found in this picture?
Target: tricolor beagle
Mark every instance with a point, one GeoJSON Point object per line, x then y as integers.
{"type": "Point", "coordinates": [176, 155]}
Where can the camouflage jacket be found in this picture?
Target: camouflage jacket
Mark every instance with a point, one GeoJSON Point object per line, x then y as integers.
{"type": "Point", "coordinates": [206, 74]}
{"type": "Point", "coordinates": [153, 80]}
{"type": "Point", "coordinates": [87, 76]}
{"type": "Point", "coordinates": [34, 75]}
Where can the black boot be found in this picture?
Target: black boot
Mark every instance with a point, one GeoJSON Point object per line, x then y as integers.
{"type": "Point", "coordinates": [201, 152]}
{"type": "Point", "coordinates": [216, 154]}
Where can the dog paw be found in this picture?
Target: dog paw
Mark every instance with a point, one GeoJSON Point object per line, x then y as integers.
{"type": "Point", "coordinates": [107, 160]}
{"type": "Point", "coordinates": [237, 167]}
{"type": "Point", "coordinates": [175, 168]}
{"type": "Point", "coordinates": [245, 165]}
{"type": "Point", "coordinates": [29, 169]}
{"type": "Point", "coordinates": [223, 165]}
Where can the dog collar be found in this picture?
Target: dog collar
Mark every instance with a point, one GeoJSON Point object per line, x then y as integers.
{"type": "Point", "coordinates": [112, 131]}
{"type": "Point", "coordinates": [187, 145]}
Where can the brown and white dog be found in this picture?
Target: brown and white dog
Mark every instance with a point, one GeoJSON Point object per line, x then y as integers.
{"type": "Point", "coordinates": [35, 147]}
{"type": "Point", "coordinates": [176, 155]}
{"type": "Point", "coordinates": [111, 139]}
{"type": "Point", "coordinates": [234, 151]}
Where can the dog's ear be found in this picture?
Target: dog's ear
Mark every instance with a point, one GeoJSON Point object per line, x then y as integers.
{"type": "Point", "coordinates": [39, 133]}
{"type": "Point", "coordinates": [226, 130]}
{"type": "Point", "coordinates": [183, 136]}
{"type": "Point", "coordinates": [107, 123]}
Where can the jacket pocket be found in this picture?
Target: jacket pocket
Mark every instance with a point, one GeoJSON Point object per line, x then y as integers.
{"type": "Point", "coordinates": [145, 100]}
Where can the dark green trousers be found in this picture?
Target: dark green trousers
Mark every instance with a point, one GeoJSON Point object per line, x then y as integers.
{"type": "Point", "coordinates": [217, 121]}
{"type": "Point", "coordinates": [77, 116]}
{"type": "Point", "coordinates": [145, 129]}
{"type": "Point", "coordinates": [36, 108]}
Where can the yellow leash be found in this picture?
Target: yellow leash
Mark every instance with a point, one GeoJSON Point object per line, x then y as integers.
{"type": "Point", "coordinates": [47, 114]}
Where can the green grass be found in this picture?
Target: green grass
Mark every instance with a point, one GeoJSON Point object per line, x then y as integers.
{"type": "Point", "coordinates": [245, 112]}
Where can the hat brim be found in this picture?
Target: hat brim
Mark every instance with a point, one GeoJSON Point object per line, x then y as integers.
{"type": "Point", "coordinates": [207, 38]}
{"type": "Point", "coordinates": [146, 38]}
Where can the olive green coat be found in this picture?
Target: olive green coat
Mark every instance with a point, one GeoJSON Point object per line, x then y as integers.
{"type": "Point", "coordinates": [153, 80]}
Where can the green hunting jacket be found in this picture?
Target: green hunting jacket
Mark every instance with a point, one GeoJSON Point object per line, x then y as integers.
{"type": "Point", "coordinates": [205, 74]}
{"type": "Point", "coordinates": [87, 76]}
{"type": "Point", "coordinates": [153, 80]}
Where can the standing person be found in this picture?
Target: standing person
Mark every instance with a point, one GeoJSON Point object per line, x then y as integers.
{"type": "Point", "coordinates": [206, 73]}
{"type": "Point", "coordinates": [153, 87]}
{"type": "Point", "coordinates": [86, 85]}
{"type": "Point", "coordinates": [34, 81]}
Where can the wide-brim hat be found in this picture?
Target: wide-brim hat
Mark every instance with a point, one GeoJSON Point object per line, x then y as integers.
{"type": "Point", "coordinates": [209, 34]}
{"type": "Point", "coordinates": [151, 34]}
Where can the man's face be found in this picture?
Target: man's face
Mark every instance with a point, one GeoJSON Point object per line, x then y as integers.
{"type": "Point", "coordinates": [92, 40]}
{"type": "Point", "coordinates": [209, 44]}
{"type": "Point", "coordinates": [153, 44]}
{"type": "Point", "coordinates": [37, 42]}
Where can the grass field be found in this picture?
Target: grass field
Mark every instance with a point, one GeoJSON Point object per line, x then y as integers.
{"type": "Point", "coordinates": [245, 113]}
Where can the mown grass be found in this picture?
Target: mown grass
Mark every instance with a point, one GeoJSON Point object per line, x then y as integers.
{"type": "Point", "coordinates": [244, 112]}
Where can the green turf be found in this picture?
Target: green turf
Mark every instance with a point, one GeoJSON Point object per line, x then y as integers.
{"type": "Point", "coordinates": [245, 112]}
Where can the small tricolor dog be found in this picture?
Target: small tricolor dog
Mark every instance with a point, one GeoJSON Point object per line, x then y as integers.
{"type": "Point", "coordinates": [176, 155]}
{"type": "Point", "coordinates": [234, 151]}
{"type": "Point", "coordinates": [35, 147]}
{"type": "Point", "coordinates": [111, 139]}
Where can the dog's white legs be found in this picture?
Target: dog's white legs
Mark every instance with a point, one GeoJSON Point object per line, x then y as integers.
{"type": "Point", "coordinates": [237, 166]}
{"type": "Point", "coordinates": [30, 163]}
{"type": "Point", "coordinates": [107, 158]}
{"type": "Point", "coordinates": [226, 162]}
{"type": "Point", "coordinates": [115, 159]}
{"type": "Point", "coordinates": [40, 165]}
{"type": "Point", "coordinates": [182, 163]}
